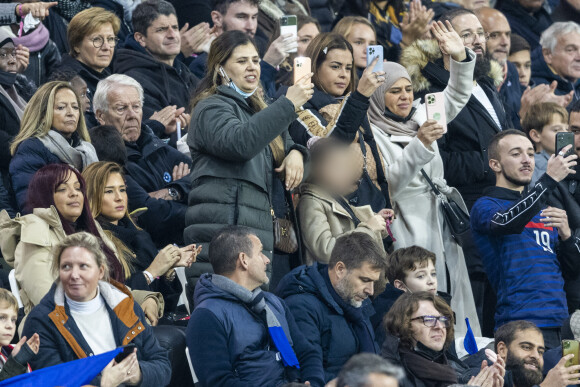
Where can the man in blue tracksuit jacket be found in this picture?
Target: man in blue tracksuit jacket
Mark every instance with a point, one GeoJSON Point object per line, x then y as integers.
{"type": "Point", "coordinates": [525, 246]}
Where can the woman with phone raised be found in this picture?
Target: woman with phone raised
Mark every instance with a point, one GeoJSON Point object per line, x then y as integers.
{"type": "Point", "coordinates": [408, 143]}
{"type": "Point", "coordinates": [338, 108]}
{"type": "Point", "coordinates": [86, 314]}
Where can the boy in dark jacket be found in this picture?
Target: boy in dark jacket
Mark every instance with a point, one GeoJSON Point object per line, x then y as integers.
{"type": "Point", "coordinates": [13, 359]}
{"type": "Point", "coordinates": [525, 246]}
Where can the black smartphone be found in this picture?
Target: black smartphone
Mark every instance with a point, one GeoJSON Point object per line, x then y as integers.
{"type": "Point", "coordinates": [563, 139]}
{"type": "Point", "coordinates": [127, 350]}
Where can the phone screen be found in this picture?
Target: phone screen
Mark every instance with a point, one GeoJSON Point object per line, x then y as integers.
{"type": "Point", "coordinates": [563, 139]}
{"type": "Point", "coordinates": [289, 25]}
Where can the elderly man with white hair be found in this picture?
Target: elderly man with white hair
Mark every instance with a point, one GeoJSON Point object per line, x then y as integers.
{"type": "Point", "coordinates": [558, 59]}
{"type": "Point", "coordinates": [157, 174]}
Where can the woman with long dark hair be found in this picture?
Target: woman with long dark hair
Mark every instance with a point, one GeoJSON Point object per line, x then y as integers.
{"type": "Point", "coordinates": [56, 200]}
{"type": "Point", "coordinates": [237, 142]}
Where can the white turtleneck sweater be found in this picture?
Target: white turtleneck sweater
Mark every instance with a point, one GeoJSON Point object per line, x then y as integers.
{"type": "Point", "coordinates": [94, 322]}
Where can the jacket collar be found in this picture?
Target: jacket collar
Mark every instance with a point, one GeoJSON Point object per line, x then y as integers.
{"type": "Point", "coordinates": [503, 193]}
{"type": "Point", "coordinates": [319, 193]}
{"type": "Point", "coordinates": [145, 146]}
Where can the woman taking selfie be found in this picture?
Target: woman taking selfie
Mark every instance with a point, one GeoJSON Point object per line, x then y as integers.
{"type": "Point", "coordinates": [150, 269]}
{"type": "Point", "coordinates": [408, 144]}
{"type": "Point", "coordinates": [338, 108]}
{"type": "Point", "coordinates": [57, 206]}
{"type": "Point", "coordinates": [52, 131]}
{"type": "Point", "coordinates": [76, 322]}
{"type": "Point", "coordinates": [237, 142]}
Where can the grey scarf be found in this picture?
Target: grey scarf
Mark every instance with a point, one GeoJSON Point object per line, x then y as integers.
{"type": "Point", "coordinates": [79, 156]}
{"type": "Point", "coordinates": [257, 303]}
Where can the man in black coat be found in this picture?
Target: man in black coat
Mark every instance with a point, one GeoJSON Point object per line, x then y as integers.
{"type": "Point", "coordinates": [149, 57]}
{"type": "Point", "coordinates": [159, 173]}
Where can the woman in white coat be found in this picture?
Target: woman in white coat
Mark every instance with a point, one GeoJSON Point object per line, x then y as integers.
{"type": "Point", "coordinates": [408, 143]}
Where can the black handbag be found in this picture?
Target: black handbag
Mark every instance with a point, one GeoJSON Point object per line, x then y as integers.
{"type": "Point", "coordinates": [456, 218]}
{"type": "Point", "coordinates": [367, 192]}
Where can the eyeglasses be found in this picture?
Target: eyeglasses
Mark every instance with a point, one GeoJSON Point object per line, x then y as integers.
{"type": "Point", "coordinates": [99, 41]}
{"type": "Point", "coordinates": [431, 321]}
{"type": "Point", "coordinates": [469, 37]}
{"type": "Point", "coordinates": [5, 53]}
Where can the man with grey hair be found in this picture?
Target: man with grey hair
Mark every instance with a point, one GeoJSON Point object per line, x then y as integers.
{"type": "Point", "coordinates": [159, 171]}
{"type": "Point", "coordinates": [366, 370]}
{"type": "Point", "coordinates": [558, 59]}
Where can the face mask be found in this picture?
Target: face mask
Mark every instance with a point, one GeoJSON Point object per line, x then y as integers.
{"type": "Point", "coordinates": [233, 86]}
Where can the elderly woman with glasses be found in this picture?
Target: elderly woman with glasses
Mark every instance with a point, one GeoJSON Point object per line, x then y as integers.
{"type": "Point", "coordinates": [92, 37]}
{"type": "Point", "coordinates": [419, 334]}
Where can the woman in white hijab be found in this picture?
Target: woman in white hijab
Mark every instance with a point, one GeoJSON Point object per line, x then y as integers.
{"type": "Point", "coordinates": [408, 143]}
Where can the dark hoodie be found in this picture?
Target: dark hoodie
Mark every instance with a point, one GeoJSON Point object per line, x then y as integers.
{"type": "Point", "coordinates": [541, 73]}
{"type": "Point", "coordinates": [528, 25]}
{"type": "Point", "coordinates": [163, 85]}
{"type": "Point", "coordinates": [320, 319]}
{"type": "Point", "coordinates": [230, 345]}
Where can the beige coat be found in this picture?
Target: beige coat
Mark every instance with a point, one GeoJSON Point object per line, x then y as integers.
{"type": "Point", "coordinates": [27, 242]}
{"type": "Point", "coordinates": [322, 220]}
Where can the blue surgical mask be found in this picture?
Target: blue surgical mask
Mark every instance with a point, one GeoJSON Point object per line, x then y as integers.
{"type": "Point", "coordinates": [233, 86]}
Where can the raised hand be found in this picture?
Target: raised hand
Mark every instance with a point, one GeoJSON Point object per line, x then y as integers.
{"type": "Point", "coordinates": [301, 92]}
{"type": "Point", "coordinates": [22, 57]}
{"type": "Point", "coordinates": [280, 48]}
{"type": "Point", "coordinates": [38, 10]}
{"type": "Point", "coordinates": [429, 132]}
{"type": "Point", "coordinates": [195, 39]}
{"type": "Point", "coordinates": [559, 166]}
{"type": "Point", "coordinates": [370, 81]}
{"type": "Point", "coordinates": [450, 42]}
{"type": "Point", "coordinates": [416, 22]}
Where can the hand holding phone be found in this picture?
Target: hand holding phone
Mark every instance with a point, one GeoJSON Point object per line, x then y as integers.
{"type": "Point", "coordinates": [289, 25]}
{"type": "Point", "coordinates": [127, 350]}
{"type": "Point", "coordinates": [563, 139]}
{"type": "Point", "coordinates": [435, 105]}
{"type": "Point", "coordinates": [302, 67]}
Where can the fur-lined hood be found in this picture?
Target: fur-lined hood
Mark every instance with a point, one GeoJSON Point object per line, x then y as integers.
{"type": "Point", "coordinates": [416, 56]}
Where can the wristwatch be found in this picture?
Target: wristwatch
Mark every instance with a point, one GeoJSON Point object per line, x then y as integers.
{"type": "Point", "coordinates": [174, 193]}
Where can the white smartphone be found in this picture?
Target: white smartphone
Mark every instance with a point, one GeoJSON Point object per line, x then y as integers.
{"type": "Point", "coordinates": [302, 66]}
{"type": "Point", "coordinates": [372, 53]}
{"type": "Point", "coordinates": [289, 25]}
{"type": "Point", "coordinates": [435, 106]}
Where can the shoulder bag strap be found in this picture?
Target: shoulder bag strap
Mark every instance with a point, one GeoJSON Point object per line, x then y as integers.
{"type": "Point", "coordinates": [433, 187]}
{"type": "Point", "coordinates": [348, 209]}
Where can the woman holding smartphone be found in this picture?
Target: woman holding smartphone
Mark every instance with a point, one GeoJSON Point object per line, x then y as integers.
{"type": "Point", "coordinates": [408, 144]}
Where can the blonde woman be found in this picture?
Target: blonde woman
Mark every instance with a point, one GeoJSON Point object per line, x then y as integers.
{"type": "Point", "coordinates": [360, 33]}
{"type": "Point", "coordinates": [52, 131]}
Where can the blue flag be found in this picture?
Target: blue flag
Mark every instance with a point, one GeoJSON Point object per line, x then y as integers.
{"type": "Point", "coordinates": [469, 341]}
{"type": "Point", "coordinates": [75, 373]}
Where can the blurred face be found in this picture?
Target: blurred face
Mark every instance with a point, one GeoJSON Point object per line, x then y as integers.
{"type": "Point", "coordinates": [421, 279]}
{"type": "Point", "coordinates": [498, 28]}
{"type": "Point", "coordinates": [546, 139]}
{"type": "Point", "coordinates": [574, 126]}
{"type": "Point", "coordinates": [361, 36]}
{"type": "Point", "coordinates": [79, 274]}
{"type": "Point", "coordinates": [115, 199]}
{"type": "Point", "coordinates": [80, 87]}
{"type": "Point", "coordinates": [381, 380]}
{"type": "Point", "coordinates": [8, 61]}
{"type": "Point", "coordinates": [565, 60]}
{"type": "Point", "coordinates": [523, 62]}
{"type": "Point", "coordinates": [471, 32]}
{"type": "Point", "coordinates": [257, 263]}
{"type": "Point", "coordinates": [240, 16]}
{"type": "Point", "coordinates": [69, 199]}
{"type": "Point", "coordinates": [162, 40]}
{"type": "Point", "coordinates": [356, 285]}
{"type": "Point", "coordinates": [524, 357]}
{"type": "Point", "coordinates": [243, 67]}
{"type": "Point", "coordinates": [531, 5]}
{"type": "Point", "coordinates": [66, 112]}
{"type": "Point", "coordinates": [431, 337]}
{"type": "Point", "coordinates": [399, 98]}
{"type": "Point", "coordinates": [97, 58]}
{"type": "Point", "coordinates": [8, 317]}
{"type": "Point", "coordinates": [338, 173]}
{"type": "Point", "coordinates": [516, 165]}
{"type": "Point", "coordinates": [335, 72]}
{"type": "Point", "coordinates": [124, 113]}
{"type": "Point", "coordinates": [305, 35]}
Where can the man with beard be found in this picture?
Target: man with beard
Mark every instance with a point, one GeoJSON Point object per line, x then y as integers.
{"type": "Point", "coordinates": [525, 245]}
{"type": "Point", "coordinates": [521, 345]}
{"type": "Point", "coordinates": [464, 147]}
{"type": "Point", "coordinates": [330, 302]}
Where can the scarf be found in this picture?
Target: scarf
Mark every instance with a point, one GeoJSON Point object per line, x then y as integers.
{"type": "Point", "coordinates": [255, 301]}
{"type": "Point", "coordinates": [429, 366]}
{"type": "Point", "coordinates": [36, 40]}
{"type": "Point", "coordinates": [78, 156]}
{"type": "Point", "coordinates": [9, 91]}
{"type": "Point", "coordinates": [380, 116]}
{"type": "Point", "coordinates": [352, 315]}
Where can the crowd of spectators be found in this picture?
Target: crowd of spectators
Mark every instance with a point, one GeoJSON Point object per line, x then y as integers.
{"type": "Point", "coordinates": [169, 183]}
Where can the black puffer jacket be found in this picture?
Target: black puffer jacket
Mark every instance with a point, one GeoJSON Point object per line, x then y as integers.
{"type": "Point", "coordinates": [42, 63]}
{"type": "Point", "coordinates": [324, 11]}
{"type": "Point", "coordinates": [464, 147]}
{"type": "Point", "coordinates": [232, 168]}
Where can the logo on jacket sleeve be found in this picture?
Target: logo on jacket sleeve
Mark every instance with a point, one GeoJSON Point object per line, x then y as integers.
{"type": "Point", "coordinates": [167, 177]}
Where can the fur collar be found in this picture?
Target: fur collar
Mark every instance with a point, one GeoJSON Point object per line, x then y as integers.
{"type": "Point", "coordinates": [275, 12]}
{"type": "Point", "coordinates": [416, 56]}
